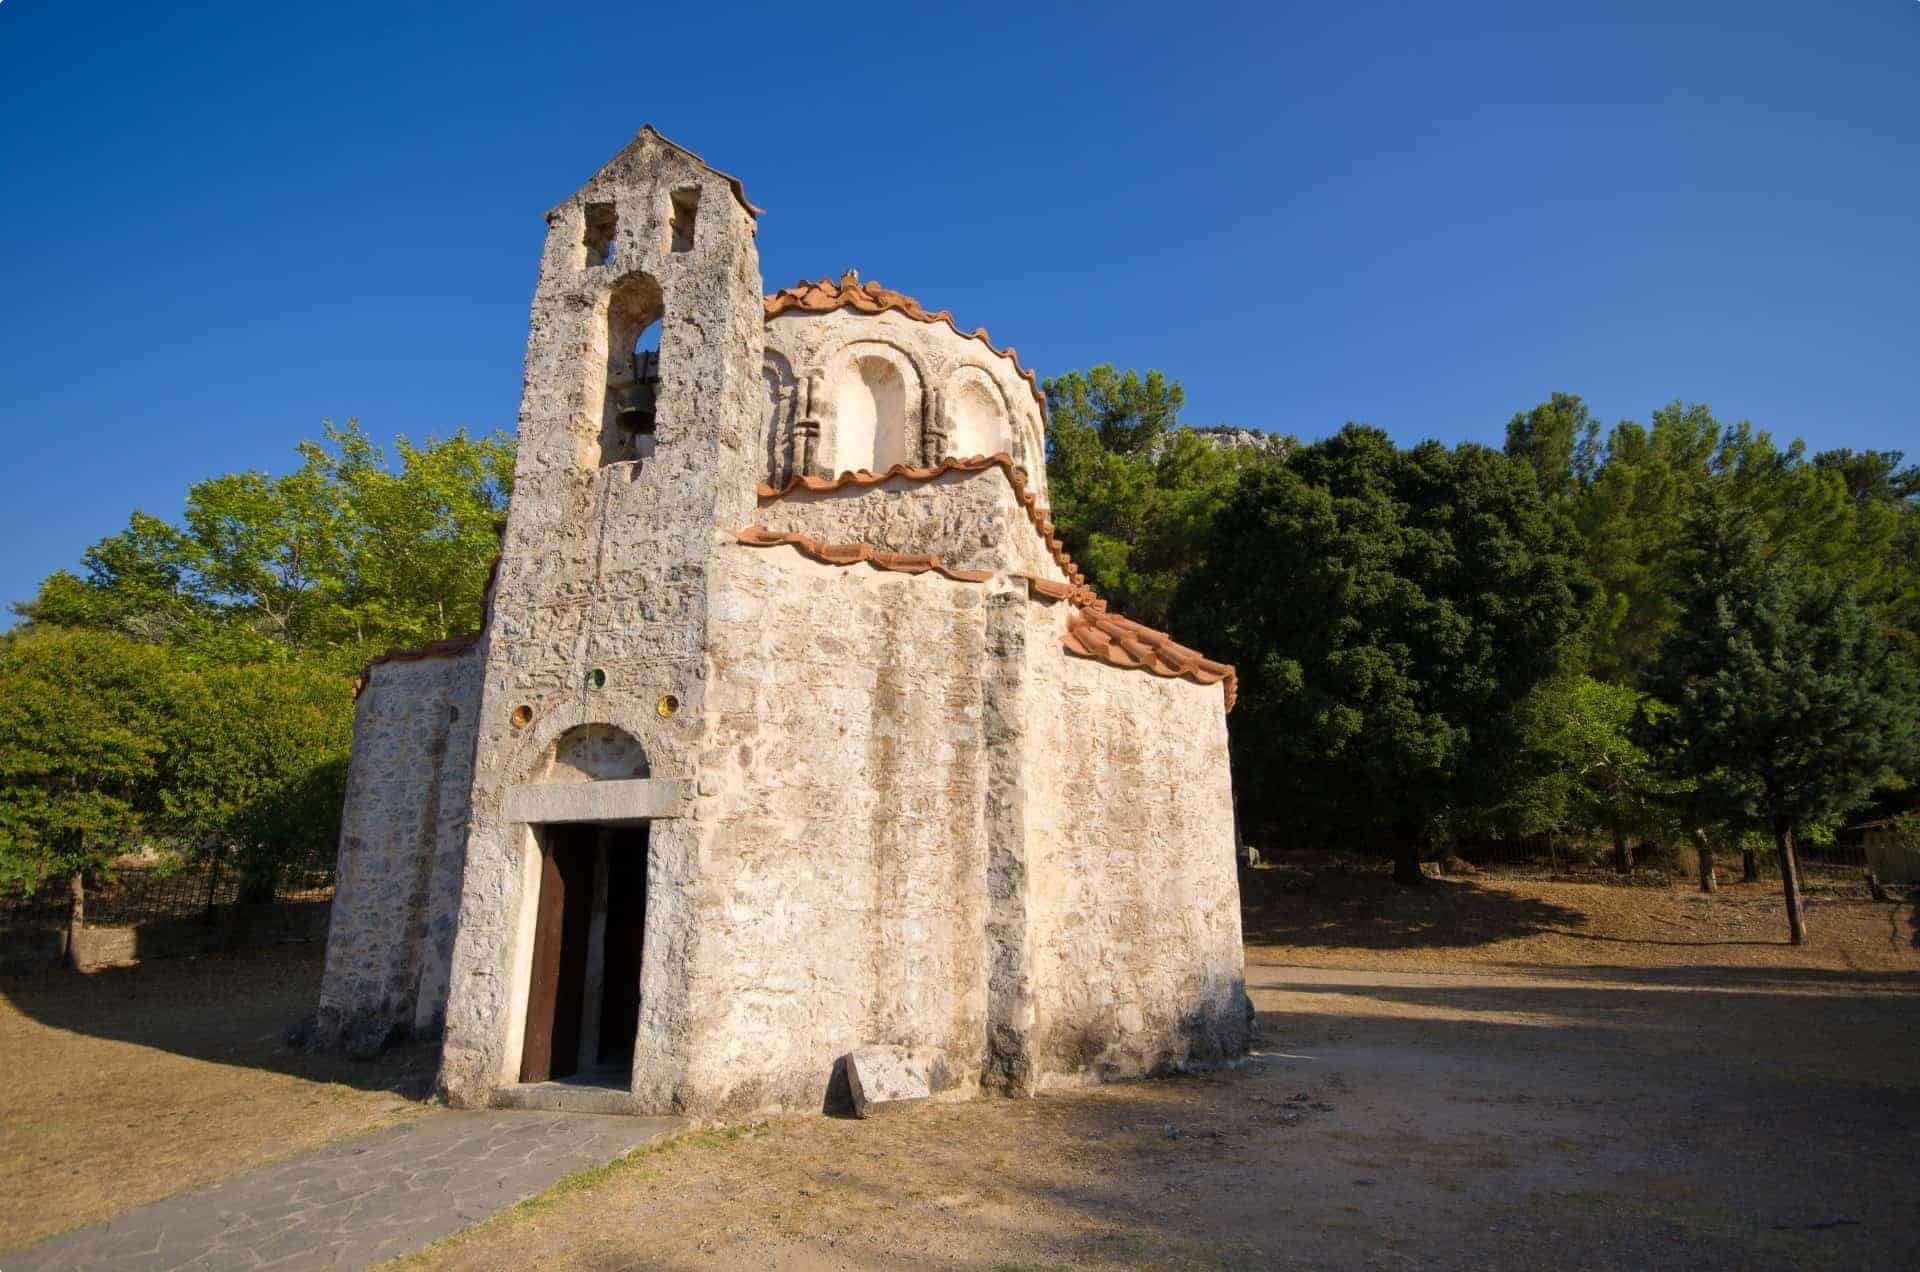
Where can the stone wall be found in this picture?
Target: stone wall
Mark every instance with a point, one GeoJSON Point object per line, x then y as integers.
{"type": "Point", "coordinates": [939, 830]}
{"type": "Point", "coordinates": [604, 569]}
{"type": "Point", "coordinates": [403, 837]}
{"type": "Point", "coordinates": [971, 520]}
{"type": "Point", "coordinates": [843, 890]}
{"type": "Point", "coordinates": [1137, 959]}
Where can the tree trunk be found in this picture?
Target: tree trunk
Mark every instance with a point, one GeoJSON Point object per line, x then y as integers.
{"type": "Point", "coordinates": [76, 919]}
{"type": "Point", "coordinates": [1790, 879]}
{"type": "Point", "coordinates": [1709, 882]}
{"type": "Point", "coordinates": [1749, 866]}
{"type": "Point", "coordinates": [1622, 854]}
{"type": "Point", "coordinates": [1406, 862]}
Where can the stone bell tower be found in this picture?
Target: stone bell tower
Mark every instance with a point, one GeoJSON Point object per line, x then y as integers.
{"type": "Point", "coordinates": [638, 443]}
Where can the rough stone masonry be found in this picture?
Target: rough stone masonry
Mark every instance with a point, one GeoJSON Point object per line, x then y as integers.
{"type": "Point", "coordinates": [792, 730]}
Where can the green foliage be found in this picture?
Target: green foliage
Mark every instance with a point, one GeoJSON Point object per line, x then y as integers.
{"type": "Point", "coordinates": [1588, 769]}
{"type": "Point", "coordinates": [1788, 704]}
{"type": "Point", "coordinates": [341, 558]}
{"type": "Point", "coordinates": [258, 765]}
{"type": "Point", "coordinates": [1848, 515]}
{"type": "Point", "coordinates": [1389, 610]}
{"type": "Point", "coordinates": [1134, 494]}
{"type": "Point", "coordinates": [81, 749]}
{"type": "Point", "coordinates": [193, 682]}
{"type": "Point", "coordinates": [1559, 440]}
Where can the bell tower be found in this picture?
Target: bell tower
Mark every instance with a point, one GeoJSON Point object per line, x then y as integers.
{"type": "Point", "coordinates": [639, 441]}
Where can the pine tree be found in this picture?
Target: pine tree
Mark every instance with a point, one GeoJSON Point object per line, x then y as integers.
{"type": "Point", "coordinates": [1788, 704]}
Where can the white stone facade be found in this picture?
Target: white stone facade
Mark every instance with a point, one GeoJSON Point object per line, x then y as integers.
{"type": "Point", "coordinates": [877, 767]}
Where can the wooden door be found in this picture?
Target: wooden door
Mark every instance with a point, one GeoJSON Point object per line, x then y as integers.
{"type": "Point", "coordinates": [556, 993]}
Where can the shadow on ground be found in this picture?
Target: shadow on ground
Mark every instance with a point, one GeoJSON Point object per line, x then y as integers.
{"type": "Point", "coordinates": [1367, 909]}
{"type": "Point", "coordinates": [230, 1007]}
{"type": "Point", "coordinates": [1390, 1120]}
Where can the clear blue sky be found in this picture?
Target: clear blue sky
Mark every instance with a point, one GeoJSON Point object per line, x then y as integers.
{"type": "Point", "coordinates": [221, 223]}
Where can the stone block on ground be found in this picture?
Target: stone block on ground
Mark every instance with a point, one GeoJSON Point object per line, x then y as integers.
{"type": "Point", "coordinates": [885, 1077]}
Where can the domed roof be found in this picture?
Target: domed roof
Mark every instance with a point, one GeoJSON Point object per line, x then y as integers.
{"type": "Point", "coordinates": [827, 296]}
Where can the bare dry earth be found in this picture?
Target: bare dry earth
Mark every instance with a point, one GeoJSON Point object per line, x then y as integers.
{"type": "Point", "coordinates": [1763, 1112]}
{"type": "Point", "coordinates": [1340, 918]}
{"type": "Point", "coordinates": [1671, 1085]}
{"type": "Point", "coordinates": [122, 1086]}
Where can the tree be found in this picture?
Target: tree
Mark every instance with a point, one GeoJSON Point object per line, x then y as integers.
{"type": "Point", "coordinates": [1560, 440]}
{"type": "Point", "coordinates": [81, 750]}
{"type": "Point", "coordinates": [1133, 494]}
{"type": "Point", "coordinates": [1583, 727]}
{"type": "Point", "coordinates": [1788, 705]}
{"type": "Point", "coordinates": [341, 558]}
{"type": "Point", "coordinates": [1388, 610]}
{"type": "Point", "coordinates": [259, 767]}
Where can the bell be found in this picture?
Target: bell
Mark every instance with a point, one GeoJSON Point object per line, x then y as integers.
{"type": "Point", "coordinates": [633, 408]}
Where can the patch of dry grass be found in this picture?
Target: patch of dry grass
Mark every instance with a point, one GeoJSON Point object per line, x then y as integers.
{"type": "Point", "coordinates": [1346, 918]}
{"type": "Point", "coordinates": [1492, 1122]}
{"type": "Point", "coordinates": [125, 1085]}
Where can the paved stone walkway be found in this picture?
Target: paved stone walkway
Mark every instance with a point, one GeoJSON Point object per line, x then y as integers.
{"type": "Point", "coordinates": [354, 1203]}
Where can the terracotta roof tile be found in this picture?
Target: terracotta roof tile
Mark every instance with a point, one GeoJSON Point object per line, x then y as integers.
{"type": "Point", "coordinates": [855, 553]}
{"type": "Point", "coordinates": [1121, 642]}
{"type": "Point", "coordinates": [826, 296]}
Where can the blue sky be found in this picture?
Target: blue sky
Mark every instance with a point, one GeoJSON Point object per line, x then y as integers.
{"type": "Point", "coordinates": [222, 223]}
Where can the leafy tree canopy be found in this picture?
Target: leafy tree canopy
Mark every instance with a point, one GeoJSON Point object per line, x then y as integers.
{"type": "Point", "coordinates": [342, 557]}
{"type": "Point", "coordinates": [1133, 493]}
{"type": "Point", "coordinates": [82, 752]}
{"type": "Point", "coordinates": [1788, 704]}
{"type": "Point", "coordinates": [1389, 611]}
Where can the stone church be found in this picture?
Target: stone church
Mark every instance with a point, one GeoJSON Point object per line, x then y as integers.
{"type": "Point", "coordinates": [791, 729]}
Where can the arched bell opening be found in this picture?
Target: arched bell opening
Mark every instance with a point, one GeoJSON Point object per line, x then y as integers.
{"type": "Point", "coordinates": [630, 407]}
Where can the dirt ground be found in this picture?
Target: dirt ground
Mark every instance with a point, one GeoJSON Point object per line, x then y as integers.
{"type": "Point", "coordinates": [1347, 918]}
{"type": "Point", "coordinates": [1676, 1088]}
{"type": "Point", "coordinates": [128, 1084]}
{"type": "Point", "coordinates": [1604, 1119]}
{"type": "Point", "coordinates": [1484, 1074]}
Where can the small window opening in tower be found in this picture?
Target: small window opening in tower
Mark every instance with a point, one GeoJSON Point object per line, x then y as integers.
{"type": "Point", "coordinates": [599, 234]}
{"type": "Point", "coordinates": [630, 410]}
{"type": "Point", "coordinates": [686, 209]}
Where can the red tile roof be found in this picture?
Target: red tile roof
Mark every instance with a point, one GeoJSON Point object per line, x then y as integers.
{"type": "Point", "coordinates": [1121, 642]}
{"type": "Point", "coordinates": [854, 553]}
{"type": "Point", "coordinates": [826, 296]}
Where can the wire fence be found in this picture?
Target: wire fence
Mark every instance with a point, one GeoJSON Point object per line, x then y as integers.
{"type": "Point", "coordinates": [1558, 856]}
{"type": "Point", "coordinates": [158, 887]}
{"type": "Point", "coordinates": [1572, 859]}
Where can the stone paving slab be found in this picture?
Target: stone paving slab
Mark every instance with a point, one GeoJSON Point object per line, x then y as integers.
{"type": "Point", "coordinates": [355, 1202]}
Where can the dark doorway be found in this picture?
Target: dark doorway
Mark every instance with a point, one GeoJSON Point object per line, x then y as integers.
{"type": "Point", "coordinates": [626, 928]}
{"type": "Point", "coordinates": [569, 963]}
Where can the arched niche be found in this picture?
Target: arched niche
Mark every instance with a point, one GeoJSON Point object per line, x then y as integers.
{"type": "Point", "coordinates": [1030, 439]}
{"type": "Point", "coordinates": [630, 391]}
{"type": "Point", "coordinates": [875, 389]}
{"type": "Point", "coordinates": [592, 753]}
{"type": "Point", "coordinates": [777, 424]}
{"type": "Point", "coordinates": [978, 420]}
